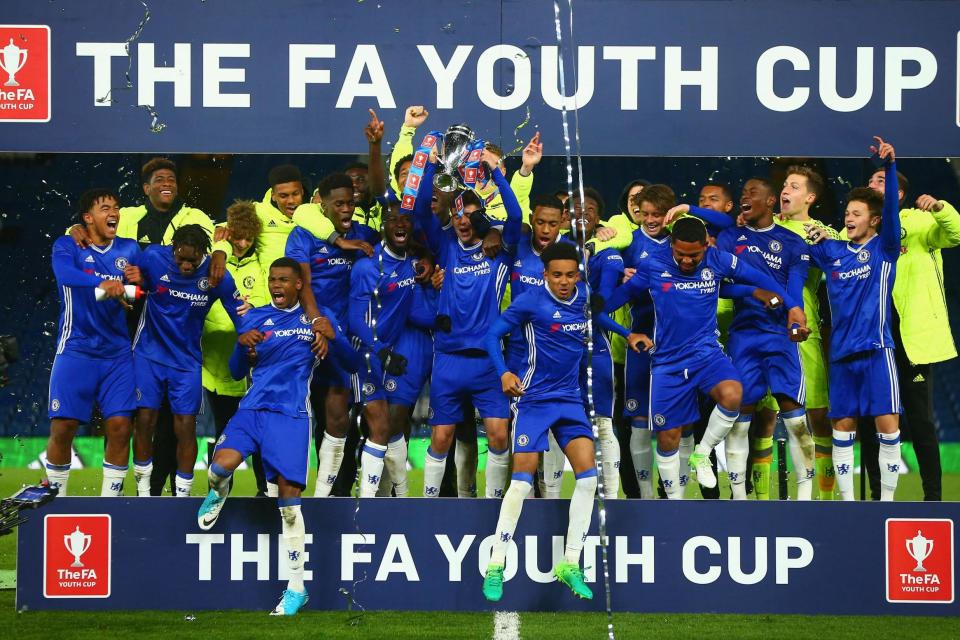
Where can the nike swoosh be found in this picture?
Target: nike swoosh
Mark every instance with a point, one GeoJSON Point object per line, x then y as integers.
{"type": "Point", "coordinates": [207, 522]}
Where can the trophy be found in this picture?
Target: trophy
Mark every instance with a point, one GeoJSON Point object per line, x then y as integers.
{"type": "Point", "coordinates": [12, 59]}
{"type": "Point", "coordinates": [453, 152]}
{"type": "Point", "coordinates": [919, 549]}
{"type": "Point", "coordinates": [77, 544]}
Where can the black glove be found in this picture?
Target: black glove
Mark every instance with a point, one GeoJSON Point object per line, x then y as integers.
{"type": "Point", "coordinates": [597, 303]}
{"type": "Point", "coordinates": [443, 323]}
{"type": "Point", "coordinates": [393, 363]}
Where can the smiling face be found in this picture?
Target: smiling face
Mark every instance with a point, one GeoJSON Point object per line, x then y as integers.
{"type": "Point", "coordinates": [397, 228]}
{"type": "Point", "coordinates": [284, 284]}
{"type": "Point", "coordinates": [101, 220]}
{"type": "Point", "coordinates": [545, 226]}
{"type": "Point", "coordinates": [756, 204]}
{"type": "Point", "coordinates": [161, 189]}
{"type": "Point", "coordinates": [287, 196]}
{"type": "Point", "coordinates": [562, 277]}
{"type": "Point", "coordinates": [361, 188]}
{"type": "Point", "coordinates": [402, 173]}
{"type": "Point", "coordinates": [651, 218]}
{"type": "Point", "coordinates": [860, 225]}
{"type": "Point", "coordinates": [586, 214]}
{"type": "Point", "coordinates": [688, 255]}
{"type": "Point", "coordinates": [338, 207]}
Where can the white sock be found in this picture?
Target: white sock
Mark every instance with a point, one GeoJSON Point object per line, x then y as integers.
{"type": "Point", "coordinates": [294, 534]}
{"type": "Point", "coordinates": [737, 447]}
{"type": "Point", "coordinates": [113, 476]}
{"type": "Point", "coordinates": [371, 468]}
{"type": "Point", "coordinates": [465, 459]}
{"type": "Point", "coordinates": [686, 448]}
{"type": "Point", "coordinates": [58, 474]}
{"type": "Point", "coordinates": [641, 452]}
{"type": "Point", "coordinates": [581, 511]}
{"type": "Point", "coordinates": [395, 463]}
{"type": "Point", "coordinates": [183, 483]}
{"type": "Point", "coordinates": [218, 479]}
{"type": "Point", "coordinates": [801, 451]}
{"type": "Point", "coordinates": [889, 459]}
{"type": "Point", "coordinates": [668, 464]}
{"type": "Point", "coordinates": [434, 464]}
{"type": "Point", "coordinates": [328, 464]}
{"type": "Point", "coordinates": [718, 426]}
{"type": "Point", "coordinates": [497, 471]}
{"type": "Point", "coordinates": [554, 462]}
{"type": "Point", "coordinates": [843, 461]}
{"type": "Point", "coordinates": [385, 490]}
{"type": "Point", "coordinates": [141, 473]}
{"type": "Point", "coordinates": [610, 457]}
{"type": "Point", "coordinates": [273, 490]}
{"type": "Point", "coordinates": [510, 509]}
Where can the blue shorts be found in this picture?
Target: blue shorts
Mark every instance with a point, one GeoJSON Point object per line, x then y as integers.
{"type": "Point", "coordinates": [327, 375]}
{"type": "Point", "coordinates": [417, 348]}
{"type": "Point", "coordinates": [532, 419]}
{"type": "Point", "coordinates": [459, 379]}
{"type": "Point", "coordinates": [367, 383]}
{"type": "Point", "coordinates": [283, 442]}
{"type": "Point", "coordinates": [767, 361]}
{"type": "Point", "coordinates": [77, 382]}
{"type": "Point", "coordinates": [183, 388]}
{"type": "Point", "coordinates": [603, 384]}
{"type": "Point", "coordinates": [673, 396]}
{"type": "Point", "coordinates": [864, 384]}
{"type": "Point", "coordinates": [636, 384]}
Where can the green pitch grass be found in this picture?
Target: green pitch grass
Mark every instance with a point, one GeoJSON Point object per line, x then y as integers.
{"type": "Point", "coordinates": [215, 625]}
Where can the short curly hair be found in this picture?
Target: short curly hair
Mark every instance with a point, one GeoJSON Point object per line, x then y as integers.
{"type": "Point", "coordinates": [242, 220]}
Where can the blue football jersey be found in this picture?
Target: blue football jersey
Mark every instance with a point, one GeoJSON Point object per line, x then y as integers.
{"type": "Point", "coordinates": [685, 305]}
{"type": "Point", "coordinates": [860, 281]}
{"type": "Point", "coordinates": [86, 326]}
{"type": "Point", "coordinates": [776, 251]}
{"type": "Point", "coordinates": [641, 311]}
{"type": "Point", "coordinates": [172, 321]}
{"type": "Point", "coordinates": [281, 375]}
{"type": "Point", "coordinates": [393, 278]}
{"type": "Point", "coordinates": [330, 266]}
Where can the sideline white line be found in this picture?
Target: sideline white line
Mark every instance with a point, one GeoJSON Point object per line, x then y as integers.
{"type": "Point", "coordinates": [506, 625]}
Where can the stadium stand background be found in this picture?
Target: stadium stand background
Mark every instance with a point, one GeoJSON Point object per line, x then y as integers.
{"type": "Point", "coordinates": [39, 193]}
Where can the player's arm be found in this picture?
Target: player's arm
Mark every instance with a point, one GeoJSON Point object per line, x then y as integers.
{"type": "Point", "coordinates": [423, 214]}
{"type": "Point", "coordinates": [67, 273]}
{"type": "Point", "coordinates": [796, 318]}
{"type": "Point", "coordinates": [515, 315]}
{"type": "Point", "coordinates": [374, 134]}
{"type": "Point", "coordinates": [298, 248]}
{"type": "Point", "coordinates": [629, 291]}
{"type": "Point", "coordinates": [610, 273]}
{"type": "Point", "coordinates": [944, 233]}
{"type": "Point", "coordinates": [514, 224]}
{"type": "Point", "coordinates": [606, 323]}
{"type": "Point", "coordinates": [413, 117]}
{"type": "Point", "coordinates": [522, 181]}
{"type": "Point", "coordinates": [423, 310]}
{"type": "Point", "coordinates": [340, 350]}
{"type": "Point", "coordinates": [362, 282]}
{"type": "Point", "coordinates": [226, 292]}
{"type": "Point", "coordinates": [890, 219]}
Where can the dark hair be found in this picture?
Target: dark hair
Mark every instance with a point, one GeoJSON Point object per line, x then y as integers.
{"type": "Point", "coordinates": [494, 149]}
{"type": "Point", "coordinates": [546, 200]}
{"type": "Point", "coordinates": [287, 262]}
{"type": "Point", "coordinates": [396, 168]}
{"type": "Point", "coordinates": [284, 173]}
{"type": "Point", "coordinates": [559, 251]}
{"type": "Point", "coordinates": [335, 181]}
{"type": "Point", "coordinates": [472, 197]}
{"type": "Point", "coordinates": [689, 229]}
{"type": "Point", "coordinates": [561, 193]}
{"type": "Point", "coordinates": [356, 165]}
{"type": "Point", "coordinates": [192, 235]}
{"type": "Point", "coordinates": [815, 182]}
{"type": "Point", "coordinates": [766, 182]}
{"type": "Point", "coordinates": [724, 188]}
{"type": "Point", "coordinates": [659, 195]}
{"type": "Point", "coordinates": [155, 164]}
{"type": "Point", "coordinates": [622, 203]}
{"type": "Point", "coordinates": [242, 220]}
{"type": "Point", "coordinates": [870, 197]}
{"type": "Point", "coordinates": [90, 197]}
{"type": "Point", "coordinates": [593, 194]}
{"type": "Point", "coordinates": [902, 183]}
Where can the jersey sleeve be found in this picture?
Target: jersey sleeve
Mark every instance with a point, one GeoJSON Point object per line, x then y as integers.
{"type": "Point", "coordinates": [511, 230]}
{"type": "Point", "coordinates": [402, 147]}
{"type": "Point", "coordinates": [64, 265]}
{"type": "Point", "coordinates": [424, 215]}
{"type": "Point", "coordinates": [239, 362]}
{"type": "Point", "coordinates": [340, 351]}
{"type": "Point", "coordinates": [515, 315]}
{"type": "Point", "coordinates": [715, 221]}
{"type": "Point", "coordinates": [310, 217]}
{"type": "Point", "coordinates": [798, 270]}
{"type": "Point", "coordinates": [742, 272]}
{"type": "Point", "coordinates": [945, 232]}
{"type": "Point", "coordinates": [226, 292]}
{"type": "Point", "coordinates": [299, 245]}
{"type": "Point", "coordinates": [521, 187]}
{"type": "Point", "coordinates": [610, 272]}
{"type": "Point", "coordinates": [606, 323]}
{"type": "Point", "coordinates": [629, 290]}
{"type": "Point", "coordinates": [890, 229]}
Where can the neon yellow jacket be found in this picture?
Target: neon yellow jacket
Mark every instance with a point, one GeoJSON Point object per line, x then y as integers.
{"type": "Point", "coordinates": [918, 292]}
{"type": "Point", "coordinates": [130, 219]}
{"type": "Point", "coordinates": [219, 335]}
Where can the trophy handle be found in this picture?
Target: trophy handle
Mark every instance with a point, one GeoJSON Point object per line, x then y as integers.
{"type": "Point", "coordinates": [23, 60]}
{"type": "Point", "coordinates": [87, 540]}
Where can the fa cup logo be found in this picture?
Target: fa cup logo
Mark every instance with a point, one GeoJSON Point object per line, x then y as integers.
{"type": "Point", "coordinates": [919, 549]}
{"type": "Point", "coordinates": [12, 59]}
{"type": "Point", "coordinates": [77, 543]}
